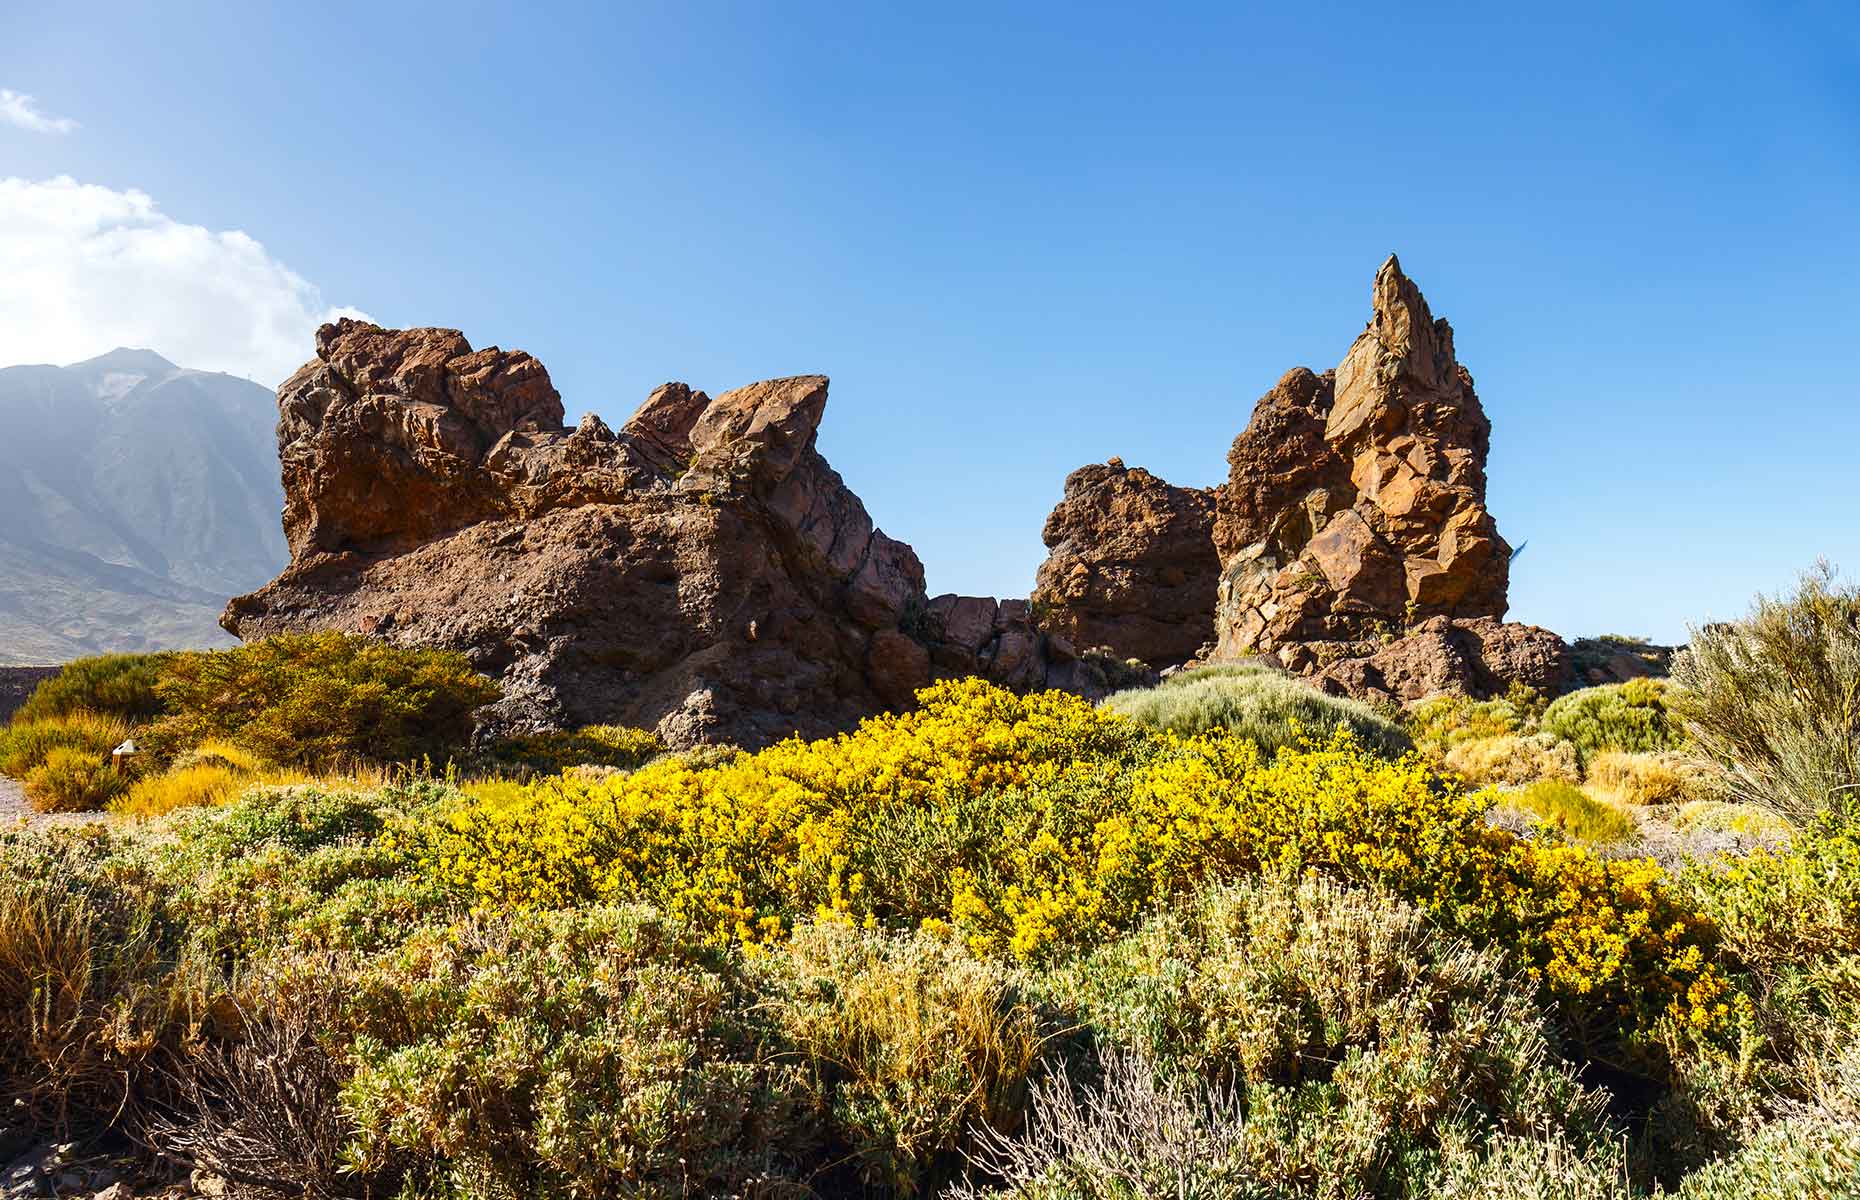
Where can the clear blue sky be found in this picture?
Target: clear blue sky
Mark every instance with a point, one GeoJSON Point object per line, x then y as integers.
{"type": "Point", "coordinates": [1024, 240]}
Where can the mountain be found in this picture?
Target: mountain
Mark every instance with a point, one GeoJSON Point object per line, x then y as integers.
{"type": "Point", "coordinates": [135, 497]}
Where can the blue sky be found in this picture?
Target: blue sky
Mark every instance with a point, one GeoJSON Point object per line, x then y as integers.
{"type": "Point", "coordinates": [1022, 241]}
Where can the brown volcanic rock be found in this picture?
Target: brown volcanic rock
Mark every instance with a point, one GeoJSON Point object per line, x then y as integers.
{"type": "Point", "coordinates": [1131, 565]}
{"type": "Point", "coordinates": [1481, 656]}
{"type": "Point", "coordinates": [1356, 500]}
{"type": "Point", "coordinates": [703, 570]}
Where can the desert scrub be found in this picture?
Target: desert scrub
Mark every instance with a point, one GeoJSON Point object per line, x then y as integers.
{"type": "Point", "coordinates": [909, 1039]}
{"type": "Point", "coordinates": [214, 773]}
{"type": "Point", "coordinates": [596, 1052]}
{"type": "Point", "coordinates": [304, 868]}
{"type": "Point", "coordinates": [115, 685]}
{"type": "Point", "coordinates": [1124, 1133]}
{"type": "Point", "coordinates": [319, 700]}
{"type": "Point", "coordinates": [1363, 1040]}
{"type": "Point", "coordinates": [1442, 722]}
{"type": "Point", "coordinates": [73, 780]}
{"type": "Point", "coordinates": [1268, 707]}
{"type": "Point", "coordinates": [24, 744]}
{"type": "Point", "coordinates": [1513, 760]}
{"type": "Point", "coordinates": [96, 997]}
{"type": "Point", "coordinates": [614, 746]}
{"type": "Point", "coordinates": [1038, 825]}
{"type": "Point", "coordinates": [1772, 702]}
{"type": "Point", "coordinates": [1642, 779]}
{"type": "Point", "coordinates": [1629, 716]}
{"type": "Point", "coordinates": [1569, 811]}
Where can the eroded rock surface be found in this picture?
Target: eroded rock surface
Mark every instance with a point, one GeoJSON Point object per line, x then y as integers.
{"type": "Point", "coordinates": [1356, 499]}
{"type": "Point", "coordinates": [1131, 565]}
{"type": "Point", "coordinates": [702, 570]}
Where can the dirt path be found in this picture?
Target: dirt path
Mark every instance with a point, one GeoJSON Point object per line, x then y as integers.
{"type": "Point", "coordinates": [15, 811]}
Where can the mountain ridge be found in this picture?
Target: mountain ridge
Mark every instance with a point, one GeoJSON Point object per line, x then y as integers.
{"type": "Point", "coordinates": [135, 495]}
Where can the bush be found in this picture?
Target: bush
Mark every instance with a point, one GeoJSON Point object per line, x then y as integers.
{"type": "Point", "coordinates": [95, 1000]}
{"type": "Point", "coordinates": [1788, 1159]}
{"type": "Point", "coordinates": [1512, 760]}
{"type": "Point", "coordinates": [1268, 707]}
{"type": "Point", "coordinates": [305, 868]}
{"type": "Point", "coordinates": [910, 1038]}
{"type": "Point", "coordinates": [182, 787]}
{"type": "Point", "coordinates": [1131, 1135]}
{"type": "Point", "coordinates": [1642, 779]}
{"type": "Point", "coordinates": [25, 744]}
{"type": "Point", "coordinates": [1442, 722]}
{"type": "Point", "coordinates": [1615, 716]}
{"type": "Point", "coordinates": [116, 685]}
{"type": "Point", "coordinates": [1038, 824]}
{"type": "Point", "coordinates": [595, 1053]}
{"type": "Point", "coordinates": [592, 745]}
{"type": "Point", "coordinates": [1772, 702]}
{"type": "Point", "coordinates": [72, 780]}
{"type": "Point", "coordinates": [320, 700]}
{"type": "Point", "coordinates": [1365, 1043]}
{"type": "Point", "coordinates": [1565, 808]}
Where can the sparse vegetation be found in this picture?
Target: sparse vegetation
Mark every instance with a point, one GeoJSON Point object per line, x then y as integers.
{"type": "Point", "coordinates": [1772, 702]}
{"type": "Point", "coordinates": [1013, 946]}
{"type": "Point", "coordinates": [1629, 716]}
{"type": "Point", "coordinates": [1259, 703]}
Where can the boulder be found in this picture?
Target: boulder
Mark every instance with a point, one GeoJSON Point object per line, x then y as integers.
{"type": "Point", "coordinates": [1481, 656]}
{"type": "Point", "coordinates": [1131, 565]}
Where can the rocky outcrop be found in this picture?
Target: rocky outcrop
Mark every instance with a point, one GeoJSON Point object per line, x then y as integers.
{"type": "Point", "coordinates": [702, 570]}
{"type": "Point", "coordinates": [1131, 565]}
{"type": "Point", "coordinates": [1356, 499]}
{"type": "Point", "coordinates": [1480, 656]}
{"type": "Point", "coordinates": [1350, 543]}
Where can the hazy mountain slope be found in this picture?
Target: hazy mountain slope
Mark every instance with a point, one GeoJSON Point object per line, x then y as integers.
{"type": "Point", "coordinates": [135, 497]}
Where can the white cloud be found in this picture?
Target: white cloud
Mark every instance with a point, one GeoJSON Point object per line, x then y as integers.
{"type": "Point", "coordinates": [17, 108]}
{"type": "Point", "coordinates": [89, 269]}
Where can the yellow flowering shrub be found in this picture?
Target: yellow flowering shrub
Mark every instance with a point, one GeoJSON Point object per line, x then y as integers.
{"type": "Point", "coordinates": [1034, 825]}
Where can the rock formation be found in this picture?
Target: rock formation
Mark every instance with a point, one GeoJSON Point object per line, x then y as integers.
{"type": "Point", "coordinates": [1132, 565]}
{"type": "Point", "coordinates": [702, 570]}
{"type": "Point", "coordinates": [1356, 500]}
{"type": "Point", "coordinates": [1352, 537]}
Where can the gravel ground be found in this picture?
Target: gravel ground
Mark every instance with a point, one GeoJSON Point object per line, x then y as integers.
{"type": "Point", "coordinates": [14, 811]}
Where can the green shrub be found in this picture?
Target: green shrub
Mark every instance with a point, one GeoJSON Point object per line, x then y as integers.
{"type": "Point", "coordinates": [71, 780]}
{"type": "Point", "coordinates": [1772, 702]}
{"type": "Point", "coordinates": [1442, 722]}
{"type": "Point", "coordinates": [1615, 716]}
{"type": "Point", "coordinates": [25, 744]}
{"type": "Point", "coordinates": [1788, 920]}
{"type": "Point", "coordinates": [118, 685]}
{"type": "Point", "coordinates": [1269, 707]}
{"type": "Point", "coordinates": [1535, 1168]}
{"type": "Point", "coordinates": [95, 998]}
{"type": "Point", "coordinates": [320, 700]}
{"type": "Point", "coordinates": [305, 867]}
{"type": "Point", "coordinates": [910, 1038]}
{"type": "Point", "coordinates": [1570, 811]}
{"type": "Point", "coordinates": [1365, 1041]}
{"type": "Point", "coordinates": [598, 1052]}
{"type": "Point", "coordinates": [551, 753]}
{"type": "Point", "coordinates": [1795, 1158]}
